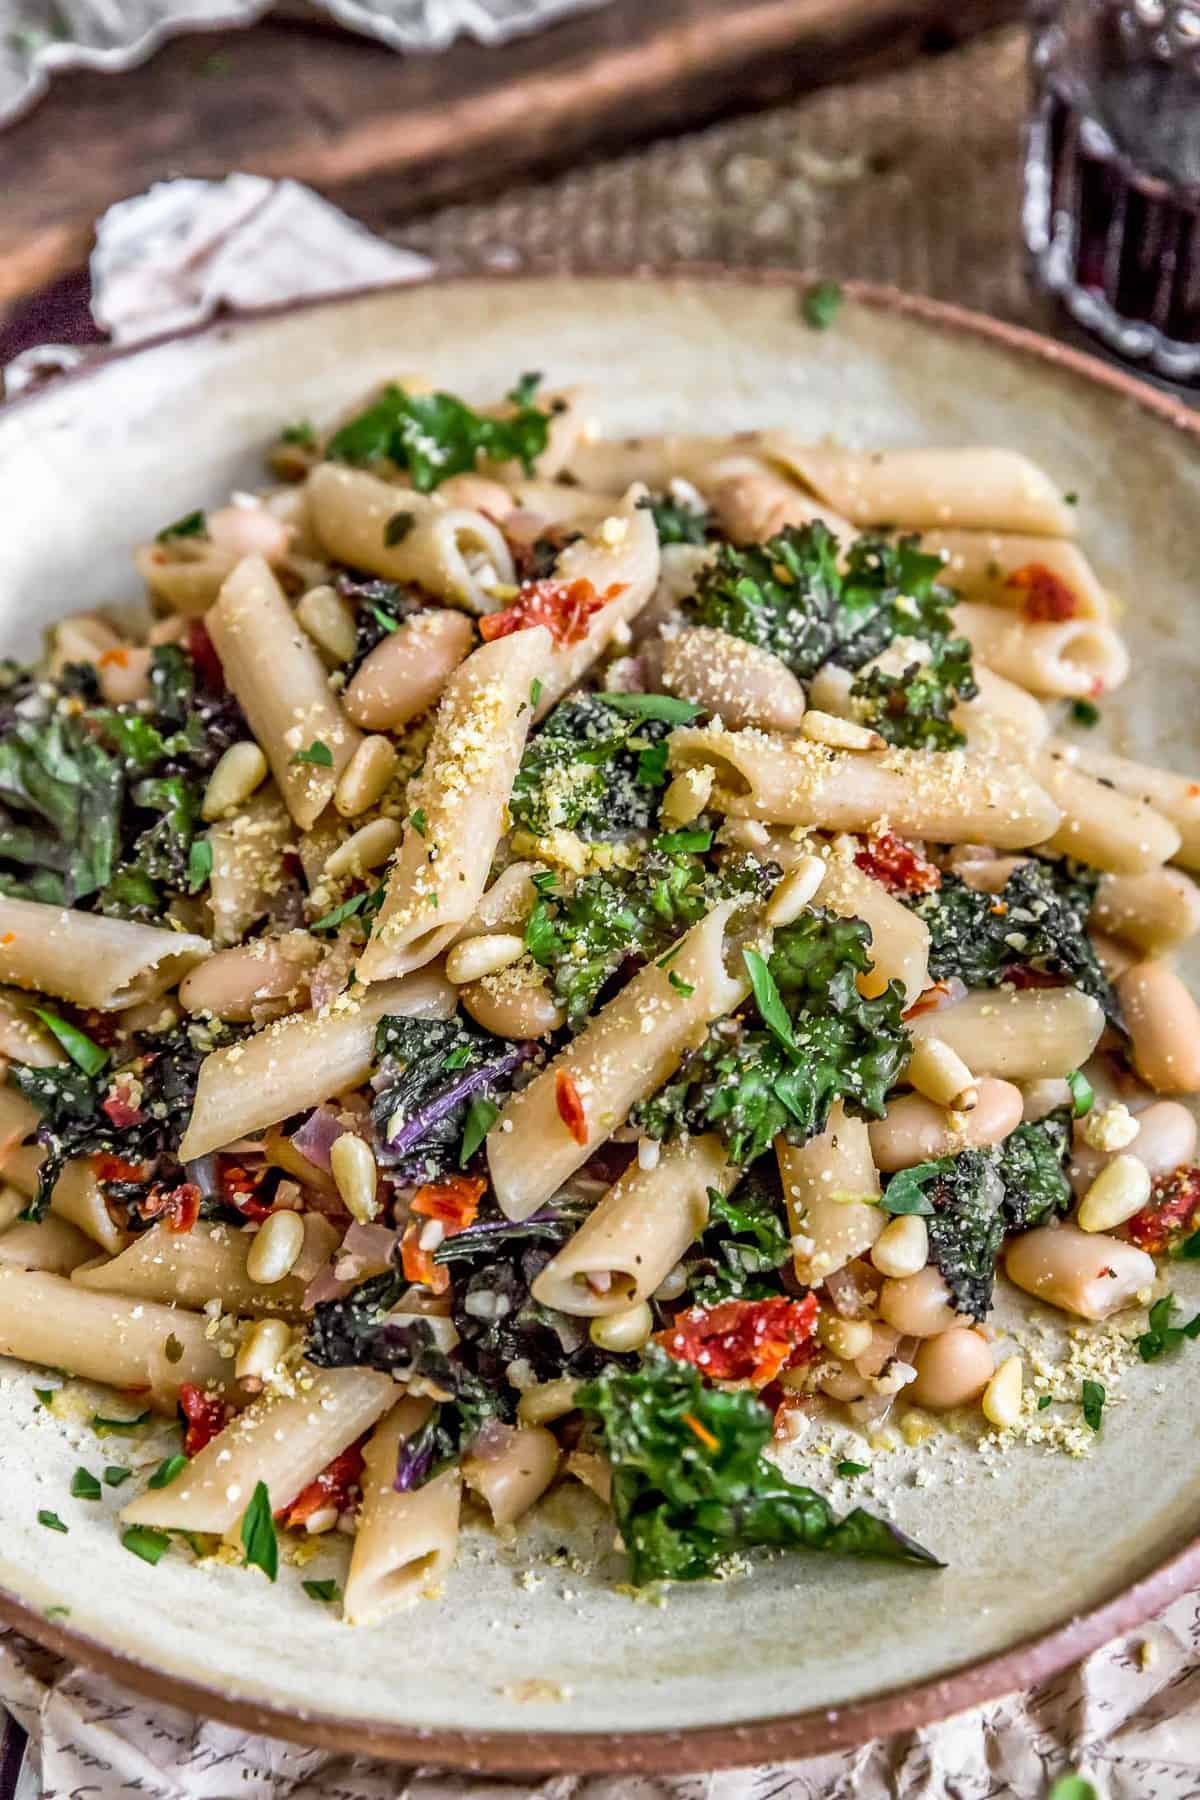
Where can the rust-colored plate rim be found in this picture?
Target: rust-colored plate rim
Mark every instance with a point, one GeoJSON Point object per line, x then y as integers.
{"type": "Point", "coordinates": [795, 1735]}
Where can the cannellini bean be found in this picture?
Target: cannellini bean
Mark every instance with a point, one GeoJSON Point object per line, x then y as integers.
{"type": "Point", "coordinates": [233, 984]}
{"type": "Point", "coordinates": [1081, 1272]}
{"type": "Point", "coordinates": [242, 768]}
{"type": "Point", "coordinates": [940, 1073]}
{"type": "Point", "coordinates": [915, 1130]}
{"type": "Point", "coordinates": [1121, 1189]}
{"type": "Point", "coordinates": [1114, 957]}
{"type": "Point", "coordinates": [512, 1008]}
{"type": "Point", "coordinates": [368, 848]}
{"type": "Point", "coordinates": [1002, 1395]}
{"type": "Point", "coordinates": [483, 955]}
{"type": "Point", "coordinates": [366, 777]}
{"type": "Point", "coordinates": [623, 1331]}
{"type": "Point", "coordinates": [1018, 1034]}
{"type": "Point", "coordinates": [1164, 1027]}
{"type": "Point", "coordinates": [356, 1175]}
{"type": "Point", "coordinates": [918, 1305]}
{"type": "Point", "coordinates": [952, 1369]}
{"type": "Point", "coordinates": [738, 682]}
{"type": "Point", "coordinates": [1166, 1139]}
{"type": "Point", "coordinates": [988, 874]}
{"type": "Point", "coordinates": [405, 674]}
{"type": "Point", "coordinates": [125, 674]}
{"type": "Point", "coordinates": [847, 1338]}
{"type": "Point", "coordinates": [261, 1349]}
{"type": "Point", "coordinates": [329, 622]}
{"type": "Point", "coordinates": [1155, 912]}
{"type": "Point", "coordinates": [249, 531]}
{"type": "Point", "coordinates": [548, 1400]}
{"type": "Point", "coordinates": [275, 1247]}
{"type": "Point", "coordinates": [902, 1247]}
{"type": "Point", "coordinates": [1040, 1098]}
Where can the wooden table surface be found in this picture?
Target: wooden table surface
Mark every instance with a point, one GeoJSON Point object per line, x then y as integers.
{"type": "Point", "coordinates": [387, 136]}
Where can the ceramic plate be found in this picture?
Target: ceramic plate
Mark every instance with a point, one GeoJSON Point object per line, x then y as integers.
{"type": "Point", "coordinates": [531, 1659]}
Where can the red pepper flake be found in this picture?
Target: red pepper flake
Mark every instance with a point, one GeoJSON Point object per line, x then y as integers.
{"type": "Point", "coordinates": [900, 868]}
{"type": "Point", "coordinates": [206, 1414]}
{"type": "Point", "coordinates": [564, 607]}
{"type": "Point", "coordinates": [240, 1187]}
{"type": "Point", "coordinates": [337, 1485]}
{"type": "Point", "coordinates": [118, 658]}
{"type": "Point", "coordinates": [930, 999]}
{"type": "Point", "coordinates": [749, 1341]}
{"type": "Point", "coordinates": [1048, 599]}
{"type": "Point", "coordinates": [10, 937]}
{"type": "Point", "coordinates": [106, 1167]}
{"type": "Point", "coordinates": [706, 1437]}
{"type": "Point", "coordinates": [1170, 1213]}
{"type": "Point", "coordinates": [570, 1106]}
{"type": "Point", "coordinates": [177, 1207]}
{"type": "Point", "coordinates": [119, 1112]}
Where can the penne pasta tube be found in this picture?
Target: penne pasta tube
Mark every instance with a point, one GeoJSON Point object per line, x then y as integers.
{"type": "Point", "coordinates": [969, 488]}
{"type": "Point", "coordinates": [899, 939]}
{"type": "Point", "coordinates": [149, 1350]}
{"type": "Point", "coordinates": [1155, 912]}
{"type": "Point", "coordinates": [282, 687]}
{"type": "Point", "coordinates": [1176, 797]}
{"type": "Point", "coordinates": [624, 1053]}
{"type": "Point", "coordinates": [247, 857]}
{"type": "Point", "coordinates": [949, 796]}
{"type": "Point", "coordinates": [51, 1245]}
{"type": "Point", "coordinates": [753, 502]}
{"type": "Point", "coordinates": [18, 1121]}
{"type": "Point", "coordinates": [1017, 1034]}
{"type": "Point", "coordinates": [1042, 577]}
{"type": "Point", "coordinates": [1003, 720]}
{"type": "Point", "coordinates": [569, 422]}
{"type": "Point", "coordinates": [514, 1480]}
{"type": "Point", "coordinates": [296, 1063]}
{"type": "Point", "coordinates": [737, 682]}
{"type": "Point", "coordinates": [1068, 659]}
{"type": "Point", "coordinates": [620, 555]}
{"type": "Point", "coordinates": [609, 465]}
{"type": "Point", "coordinates": [1101, 825]}
{"type": "Point", "coordinates": [110, 964]}
{"type": "Point", "coordinates": [451, 551]}
{"type": "Point", "coordinates": [831, 1189]}
{"type": "Point", "coordinates": [78, 1198]}
{"type": "Point", "coordinates": [23, 1039]}
{"type": "Point", "coordinates": [189, 1268]}
{"type": "Point", "coordinates": [405, 1541]}
{"type": "Point", "coordinates": [558, 503]}
{"type": "Point", "coordinates": [457, 805]}
{"type": "Point", "coordinates": [638, 1230]}
{"type": "Point", "coordinates": [189, 584]}
{"type": "Point", "coordinates": [282, 1439]}
{"type": "Point", "coordinates": [505, 905]}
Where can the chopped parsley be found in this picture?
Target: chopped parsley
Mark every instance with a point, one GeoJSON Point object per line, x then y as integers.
{"type": "Point", "coordinates": [435, 436]}
{"type": "Point", "coordinates": [367, 903]}
{"type": "Point", "coordinates": [418, 822]}
{"type": "Point", "coordinates": [302, 434]}
{"type": "Point", "coordinates": [144, 1541]}
{"type": "Point", "coordinates": [167, 1470]}
{"type": "Point", "coordinates": [79, 1047]}
{"type": "Point", "coordinates": [1085, 713]}
{"type": "Point", "coordinates": [1162, 1338]}
{"type": "Point", "coordinates": [326, 1591]}
{"type": "Point", "coordinates": [318, 755]}
{"type": "Point", "coordinates": [51, 1521]}
{"type": "Point", "coordinates": [398, 528]}
{"type": "Point", "coordinates": [481, 1116]}
{"type": "Point", "coordinates": [821, 303]}
{"type": "Point", "coordinates": [84, 1485]}
{"type": "Point", "coordinates": [848, 1470]}
{"type": "Point", "coordinates": [192, 525]}
{"type": "Point", "coordinates": [118, 1427]}
{"type": "Point", "coordinates": [259, 1539]}
{"type": "Point", "coordinates": [115, 1476]}
{"type": "Point", "coordinates": [1092, 1396]}
{"type": "Point", "coordinates": [1083, 1096]}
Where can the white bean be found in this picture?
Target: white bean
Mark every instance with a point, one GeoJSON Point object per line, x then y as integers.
{"type": "Point", "coordinates": [248, 531]}
{"type": "Point", "coordinates": [235, 983]}
{"type": "Point", "coordinates": [1166, 1139]}
{"type": "Point", "coordinates": [1081, 1272]}
{"type": "Point", "coordinates": [517, 1009]}
{"type": "Point", "coordinates": [915, 1130]}
{"type": "Point", "coordinates": [406, 672]}
{"type": "Point", "coordinates": [918, 1305]}
{"type": "Point", "coordinates": [329, 622]}
{"type": "Point", "coordinates": [1164, 1027]}
{"type": "Point", "coordinates": [1155, 912]}
{"type": "Point", "coordinates": [952, 1369]}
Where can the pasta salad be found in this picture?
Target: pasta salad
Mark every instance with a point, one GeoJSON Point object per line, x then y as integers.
{"type": "Point", "coordinates": [559, 960]}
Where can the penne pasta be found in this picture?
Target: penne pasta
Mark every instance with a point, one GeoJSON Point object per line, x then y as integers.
{"type": "Point", "coordinates": [247, 858]}
{"type": "Point", "coordinates": [405, 1541]}
{"type": "Point", "coordinates": [619, 557]}
{"type": "Point", "coordinates": [299, 1062]}
{"type": "Point", "coordinates": [1176, 797]}
{"type": "Point", "coordinates": [1042, 577]}
{"type": "Point", "coordinates": [457, 806]}
{"type": "Point", "coordinates": [753, 502]}
{"type": "Point", "coordinates": [282, 687]}
{"type": "Point", "coordinates": [1102, 826]}
{"type": "Point", "coordinates": [899, 939]}
{"type": "Point", "coordinates": [92, 960]}
{"type": "Point", "coordinates": [513, 1479]}
{"type": "Point", "coordinates": [831, 1190]}
{"type": "Point", "coordinates": [189, 1268]}
{"type": "Point", "coordinates": [52, 1245]}
{"type": "Point", "coordinates": [737, 682]}
{"type": "Point", "coordinates": [1071, 659]}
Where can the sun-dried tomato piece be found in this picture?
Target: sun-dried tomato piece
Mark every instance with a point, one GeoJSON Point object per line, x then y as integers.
{"type": "Point", "coordinates": [177, 1207]}
{"type": "Point", "coordinates": [107, 1167]}
{"type": "Point", "coordinates": [206, 1415]}
{"type": "Point", "coordinates": [1048, 599]}
{"type": "Point", "coordinates": [564, 607]}
{"type": "Point", "coordinates": [1170, 1213]}
{"type": "Point", "coordinates": [570, 1106]}
{"type": "Point", "coordinates": [418, 1263]}
{"type": "Point", "coordinates": [203, 653]}
{"type": "Point", "coordinates": [1024, 975]}
{"type": "Point", "coordinates": [337, 1485]}
{"type": "Point", "coordinates": [240, 1188]}
{"type": "Point", "coordinates": [454, 1200]}
{"type": "Point", "coordinates": [743, 1340]}
{"type": "Point", "coordinates": [901, 869]}
{"type": "Point", "coordinates": [119, 1112]}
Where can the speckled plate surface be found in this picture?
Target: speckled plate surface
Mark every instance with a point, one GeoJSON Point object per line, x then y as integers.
{"type": "Point", "coordinates": [531, 1659]}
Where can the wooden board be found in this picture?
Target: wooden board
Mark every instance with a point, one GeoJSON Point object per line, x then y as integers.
{"type": "Point", "coordinates": [388, 136]}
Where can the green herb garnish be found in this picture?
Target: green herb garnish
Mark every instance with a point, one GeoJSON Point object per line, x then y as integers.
{"type": "Point", "coordinates": [193, 524]}
{"type": "Point", "coordinates": [1092, 1396]}
{"type": "Point", "coordinates": [317, 756]}
{"type": "Point", "coordinates": [322, 1590]}
{"type": "Point", "coordinates": [115, 1477]}
{"type": "Point", "coordinates": [848, 1470]}
{"type": "Point", "coordinates": [117, 1427]}
{"type": "Point", "coordinates": [85, 1054]}
{"type": "Point", "coordinates": [51, 1521]}
{"type": "Point", "coordinates": [435, 436]}
{"type": "Point", "coordinates": [144, 1541]}
{"type": "Point", "coordinates": [481, 1116]}
{"type": "Point", "coordinates": [1083, 1096]}
{"type": "Point", "coordinates": [258, 1535]}
{"type": "Point", "coordinates": [167, 1470]}
{"type": "Point", "coordinates": [1085, 713]}
{"type": "Point", "coordinates": [84, 1485]}
{"type": "Point", "coordinates": [398, 528]}
{"type": "Point", "coordinates": [1163, 1338]}
{"type": "Point", "coordinates": [821, 304]}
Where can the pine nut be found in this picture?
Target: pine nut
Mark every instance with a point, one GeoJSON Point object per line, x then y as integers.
{"type": "Point", "coordinates": [839, 734]}
{"type": "Point", "coordinates": [242, 768]}
{"type": "Point", "coordinates": [366, 777]}
{"type": "Point", "coordinates": [324, 1519]}
{"type": "Point", "coordinates": [846, 1338]}
{"type": "Point", "coordinates": [622, 1331]}
{"type": "Point", "coordinates": [940, 1073]}
{"type": "Point", "coordinates": [687, 795]}
{"type": "Point", "coordinates": [483, 955]}
{"type": "Point", "coordinates": [261, 1349]}
{"type": "Point", "coordinates": [369, 848]}
{"type": "Point", "coordinates": [902, 1248]}
{"type": "Point", "coordinates": [548, 1400]}
{"type": "Point", "coordinates": [329, 622]}
{"type": "Point", "coordinates": [1002, 1395]}
{"type": "Point", "coordinates": [354, 1171]}
{"type": "Point", "coordinates": [1119, 1190]}
{"type": "Point", "coordinates": [795, 891]}
{"type": "Point", "coordinates": [275, 1247]}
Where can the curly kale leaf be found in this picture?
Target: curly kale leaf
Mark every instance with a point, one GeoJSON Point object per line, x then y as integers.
{"type": "Point", "coordinates": [435, 436]}
{"type": "Point", "coordinates": [914, 709]}
{"type": "Point", "coordinates": [789, 596]}
{"type": "Point", "coordinates": [691, 1485]}
{"type": "Point", "coordinates": [591, 769]}
{"type": "Point", "coordinates": [61, 797]}
{"type": "Point", "coordinates": [1038, 920]}
{"type": "Point", "coordinates": [430, 1073]}
{"type": "Point", "coordinates": [676, 522]}
{"type": "Point", "coordinates": [1032, 1167]}
{"type": "Point", "coordinates": [809, 1038]}
{"type": "Point", "coordinates": [745, 1244]}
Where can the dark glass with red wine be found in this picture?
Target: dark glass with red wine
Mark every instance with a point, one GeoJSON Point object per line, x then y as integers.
{"type": "Point", "coordinates": [1112, 174]}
